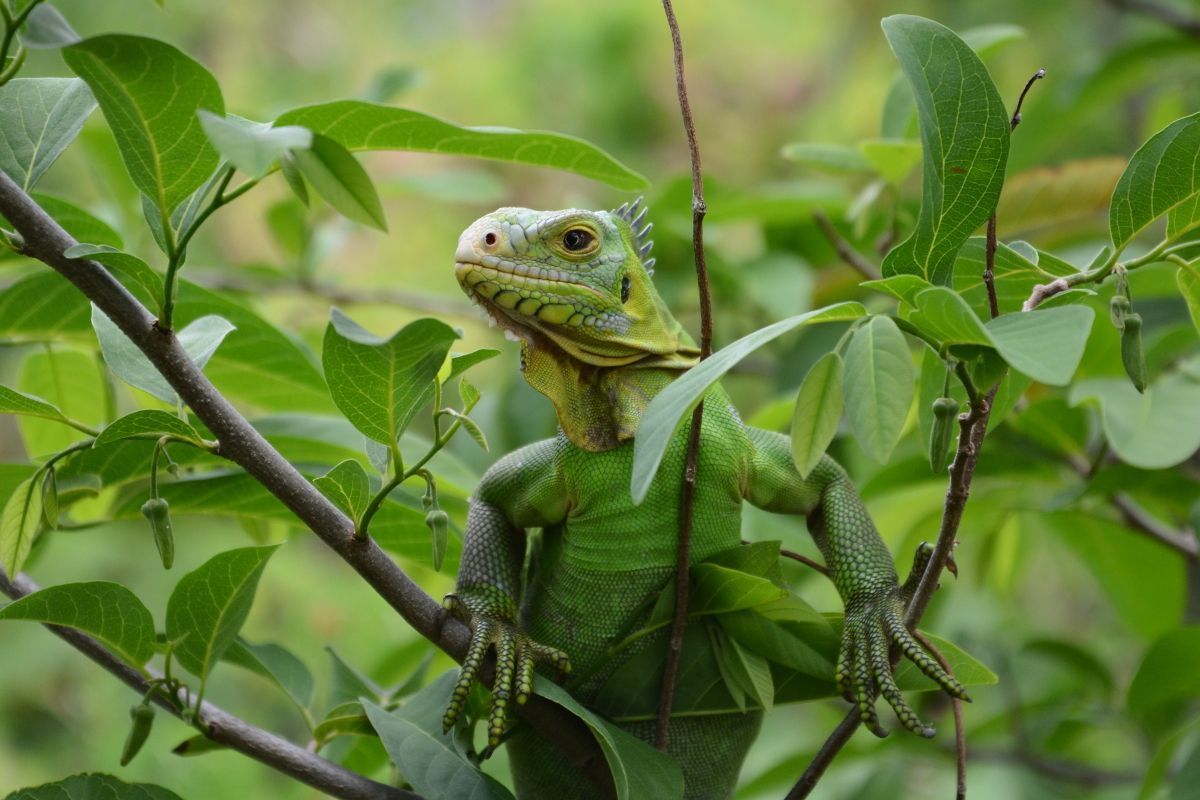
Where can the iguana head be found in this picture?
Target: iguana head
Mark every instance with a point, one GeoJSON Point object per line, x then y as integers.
{"type": "Point", "coordinates": [574, 286]}
{"type": "Point", "coordinates": [573, 281]}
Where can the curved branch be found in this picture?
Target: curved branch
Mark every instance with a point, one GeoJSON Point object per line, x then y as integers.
{"type": "Point", "coordinates": [45, 240]}
{"type": "Point", "coordinates": [223, 727]}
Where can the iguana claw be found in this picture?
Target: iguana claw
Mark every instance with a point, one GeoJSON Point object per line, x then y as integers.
{"type": "Point", "coordinates": [516, 656]}
{"type": "Point", "coordinates": [873, 626]}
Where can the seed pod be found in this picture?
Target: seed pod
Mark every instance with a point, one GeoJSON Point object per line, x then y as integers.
{"type": "Point", "coordinates": [158, 513]}
{"type": "Point", "coordinates": [944, 411]}
{"type": "Point", "coordinates": [439, 523]}
{"type": "Point", "coordinates": [142, 717]}
{"type": "Point", "coordinates": [1118, 309]}
{"type": "Point", "coordinates": [1132, 355]}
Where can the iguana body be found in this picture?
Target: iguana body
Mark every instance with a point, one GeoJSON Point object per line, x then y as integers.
{"type": "Point", "coordinates": [574, 286]}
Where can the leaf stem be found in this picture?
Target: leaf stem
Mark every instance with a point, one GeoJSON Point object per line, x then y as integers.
{"type": "Point", "coordinates": [400, 475]}
{"type": "Point", "coordinates": [177, 250]}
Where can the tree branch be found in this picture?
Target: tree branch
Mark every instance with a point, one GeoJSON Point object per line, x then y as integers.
{"type": "Point", "coordinates": [223, 727]}
{"type": "Point", "coordinates": [687, 501]}
{"type": "Point", "coordinates": [1163, 13]}
{"type": "Point", "coordinates": [972, 429]}
{"type": "Point", "coordinates": [844, 249]}
{"type": "Point", "coordinates": [45, 240]}
{"type": "Point", "coordinates": [1141, 521]}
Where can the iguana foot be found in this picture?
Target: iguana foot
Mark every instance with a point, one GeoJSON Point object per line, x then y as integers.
{"type": "Point", "coordinates": [874, 624]}
{"type": "Point", "coordinates": [516, 655]}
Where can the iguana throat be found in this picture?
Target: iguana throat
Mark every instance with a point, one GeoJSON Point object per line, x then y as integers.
{"type": "Point", "coordinates": [574, 287]}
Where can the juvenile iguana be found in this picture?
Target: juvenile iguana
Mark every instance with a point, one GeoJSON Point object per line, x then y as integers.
{"type": "Point", "coordinates": [574, 287]}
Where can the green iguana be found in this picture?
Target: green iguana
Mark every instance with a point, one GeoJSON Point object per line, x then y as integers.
{"type": "Point", "coordinates": [574, 287]}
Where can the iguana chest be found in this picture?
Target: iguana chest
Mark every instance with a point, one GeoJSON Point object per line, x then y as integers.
{"type": "Point", "coordinates": [596, 571]}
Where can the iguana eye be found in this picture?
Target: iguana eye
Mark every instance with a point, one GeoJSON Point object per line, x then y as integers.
{"type": "Point", "coordinates": [577, 240]}
{"type": "Point", "coordinates": [625, 289]}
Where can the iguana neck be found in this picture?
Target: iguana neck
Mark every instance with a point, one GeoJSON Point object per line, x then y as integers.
{"type": "Point", "coordinates": [600, 407]}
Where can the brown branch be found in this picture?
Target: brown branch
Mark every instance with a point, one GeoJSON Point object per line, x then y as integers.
{"type": "Point", "coordinates": [221, 726]}
{"type": "Point", "coordinates": [805, 560]}
{"type": "Point", "coordinates": [687, 500]}
{"type": "Point", "coordinates": [844, 249]}
{"type": "Point", "coordinates": [1143, 522]}
{"type": "Point", "coordinates": [1163, 13]}
{"type": "Point", "coordinates": [972, 429]}
{"type": "Point", "coordinates": [45, 240]}
{"type": "Point", "coordinates": [960, 733]}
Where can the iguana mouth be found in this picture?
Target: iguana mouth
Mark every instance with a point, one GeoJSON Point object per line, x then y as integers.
{"type": "Point", "coordinates": [510, 297]}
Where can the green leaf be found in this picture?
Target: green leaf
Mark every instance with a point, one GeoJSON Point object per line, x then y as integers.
{"type": "Point", "coordinates": [430, 763]}
{"type": "Point", "coordinates": [359, 125]}
{"type": "Point", "coordinates": [380, 385]}
{"type": "Point", "coordinates": [278, 665]}
{"type": "Point", "coordinates": [108, 611]}
{"type": "Point", "coordinates": [252, 147]}
{"type": "Point", "coordinates": [964, 135]}
{"type": "Point", "coordinates": [345, 719]}
{"type": "Point", "coordinates": [347, 486]}
{"type": "Point", "coordinates": [14, 402]}
{"type": "Point", "coordinates": [945, 316]}
{"type": "Point", "coordinates": [340, 179]}
{"type": "Point", "coordinates": [209, 605]}
{"type": "Point", "coordinates": [1059, 197]}
{"type": "Point", "coordinates": [1024, 340]}
{"type": "Point", "coordinates": [879, 386]}
{"type": "Point", "coordinates": [19, 522]}
{"type": "Point", "coordinates": [1016, 275]}
{"type": "Point", "coordinates": [1154, 430]}
{"type": "Point", "coordinates": [42, 116]}
{"type": "Point", "coordinates": [136, 275]}
{"type": "Point", "coordinates": [150, 92]}
{"type": "Point", "coordinates": [47, 29]}
{"type": "Point", "coordinates": [749, 671]}
{"type": "Point", "coordinates": [69, 379]}
{"type": "Point", "coordinates": [831, 157]}
{"type": "Point", "coordinates": [148, 421]}
{"type": "Point", "coordinates": [667, 410]}
{"type": "Point", "coordinates": [717, 590]}
{"type": "Point", "coordinates": [200, 338]}
{"type": "Point", "coordinates": [901, 287]}
{"type": "Point", "coordinates": [786, 642]}
{"type": "Point", "coordinates": [1188, 279]}
{"type": "Point", "coordinates": [43, 307]}
{"type": "Point", "coordinates": [893, 159]}
{"type": "Point", "coordinates": [638, 770]}
{"type": "Point", "coordinates": [1163, 678]}
{"type": "Point", "coordinates": [347, 684]}
{"type": "Point", "coordinates": [818, 410]}
{"type": "Point", "coordinates": [93, 786]}
{"type": "Point", "coordinates": [1162, 174]}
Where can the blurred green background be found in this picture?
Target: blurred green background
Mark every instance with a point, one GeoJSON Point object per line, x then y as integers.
{"type": "Point", "coordinates": [1063, 622]}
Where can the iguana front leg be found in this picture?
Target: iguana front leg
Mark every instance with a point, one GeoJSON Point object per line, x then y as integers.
{"type": "Point", "coordinates": [522, 490]}
{"type": "Point", "coordinates": [862, 570]}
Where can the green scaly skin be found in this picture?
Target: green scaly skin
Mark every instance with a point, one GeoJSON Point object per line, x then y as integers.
{"type": "Point", "coordinates": [574, 287]}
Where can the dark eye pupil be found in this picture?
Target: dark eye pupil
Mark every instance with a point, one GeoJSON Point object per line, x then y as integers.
{"type": "Point", "coordinates": [624, 288]}
{"type": "Point", "coordinates": [576, 240]}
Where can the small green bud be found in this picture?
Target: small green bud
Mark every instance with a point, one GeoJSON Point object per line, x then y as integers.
{"type": "Point", "coordinates": [1118, 308]}
{"type": "Point", "coordinates": [944, 411]}
{"type": "Point", "coordinates": [1132, 356]}
{"type": "Point", "coordinates": [439, 523]}
{"type": "Point", "coordinates": [157, 512]}
{"type": "Point", "coordinates": [142, 717]}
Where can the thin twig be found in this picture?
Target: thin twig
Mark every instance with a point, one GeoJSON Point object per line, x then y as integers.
{"type": "Point", "coordinates": [845, 250]}
{"type": "Point", "coordinates": [960, 734]}
{"type": "Point", "coordinates": [1140, 520]}
{"type": "Point", "coordinates": [45, 240]}
{"type": "Point", "coordinates": [972, 429]}
{"type": "Point", "coordinates": [805, 560]}
{"type": "Point", "coordinates": [223, 727]}
{"type": "Point", "coordinates": [1163, 13]}
{"type": "Point", "coordinates": [687, 500]}
{"type": "Point", "coordinates": [989, 272]}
